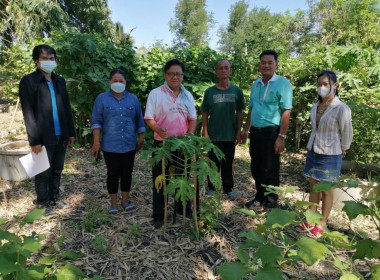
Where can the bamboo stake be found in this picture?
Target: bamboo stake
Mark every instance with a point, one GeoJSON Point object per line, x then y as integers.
{"type": "Point", "coordinates": [165, 196]}
{"type": "Point", "coordinates": [195, 216]}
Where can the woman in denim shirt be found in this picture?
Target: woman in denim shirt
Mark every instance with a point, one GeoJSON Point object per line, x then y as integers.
{"type": "Point", "coordinates": [117, 113]}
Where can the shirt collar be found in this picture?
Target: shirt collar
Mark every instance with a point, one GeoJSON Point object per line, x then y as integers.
{"type": "Point", "coordinates": [166, 88]}
{"type": "Point", "coordinates": [274, 78]}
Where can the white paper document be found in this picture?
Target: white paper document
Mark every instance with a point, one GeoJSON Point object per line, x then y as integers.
{"type": "Point", "coordinates": [35, 164]}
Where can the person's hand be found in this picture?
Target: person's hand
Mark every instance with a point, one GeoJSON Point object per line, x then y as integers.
{"type": "Point", "coordinates": [36, 149]}
{"type": "Point", "coordinates": [71, 141]}
{"type": "Point", "coordinates": [162, 132]}
{"type": "Point", "coordinates": [95, 149]}
{"type": "Point", "coordinates": [279, 145]}
{"type": "Point", "coordinates": [238, 138]}
{"type": "Point", "coordinates": [243, 136]}
{"type": "Point", "coordinates": [139, 145]}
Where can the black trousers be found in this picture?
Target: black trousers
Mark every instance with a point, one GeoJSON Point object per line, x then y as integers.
{"type": "Point", "coordinates": [119, 170]}
{"type": "Point", "coordinates": [225, 166]}
{"type": "Point", "coordinates": [47, 183]}
{"type": "Point", "coordinates": [158, 197]}
{"type": "Point", "coordinates": [265, 164]}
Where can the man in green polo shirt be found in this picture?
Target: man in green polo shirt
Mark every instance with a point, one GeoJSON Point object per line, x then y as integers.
{"type": "Point", "coordinates": [267, 120]}
{"type": "Point", "coordinates": [222, 117]}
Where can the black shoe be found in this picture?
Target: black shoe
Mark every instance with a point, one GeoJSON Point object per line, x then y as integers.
{"type": "Point", "coordinates": [158, 223]}
{"type": "Point", "coordinates": [270, 202]}
{"type": "Point", "coordinates": [253, 202]}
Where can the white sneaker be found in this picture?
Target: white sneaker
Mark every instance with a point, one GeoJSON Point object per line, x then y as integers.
{"type": "Point", "coordinates": [61, 205]}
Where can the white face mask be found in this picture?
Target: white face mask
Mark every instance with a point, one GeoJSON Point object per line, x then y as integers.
{"type": "Point", "coordinates": [325, 91]}
{"type": "Point", "coordinates": [118, 87]}
{"type": "Point", "coordinates": [48, 65]}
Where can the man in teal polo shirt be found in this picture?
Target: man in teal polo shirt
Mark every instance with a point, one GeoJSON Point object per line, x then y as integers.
{"type": "Point", "coordinates": [267, 120]}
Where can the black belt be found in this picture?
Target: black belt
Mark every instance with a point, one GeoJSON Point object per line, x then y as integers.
{"type": "Point", "coordinates": [266, 128]}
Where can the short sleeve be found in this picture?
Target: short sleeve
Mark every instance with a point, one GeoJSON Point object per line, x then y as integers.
{"type": "Point", "coordinates": [286, 95]}
{"type": "Point", "coordinates": [150, 107]}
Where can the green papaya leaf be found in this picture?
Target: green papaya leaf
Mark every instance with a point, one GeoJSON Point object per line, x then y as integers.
{"type": "Point", "coordinates": [312, 217]}
{"type": "Point", "coordinates": [7, 267]}
{"type": "Point", "coordinates": [32, 243]}
{"type": "Point", "coordinates": [338, 264]}
{"type": "Point", "coordinates": [323, 186]}
{"type": "Point", "coordinates": [38, 272]}
{"type": "Point", "coordinates": [311, 251]}
{"type": "Point", "coordinates": [269, 273]}
{"type": "Point", "coordinates": [247, 212]}
{"type": "Point", "coordinates": [367, 248]}
{"type": "Point", "coordinates": [349, 276]}
{"type": "Point", "coordinates": [336, 236]}
{"type": "Point", "coordinates": [232, 271]}
{"type": "Point", "coordinates": [253, 235]}
{"type": "Point", "coordinates": [3, 221]}
{"type": "Point", "coordinates": [352, 183]}
{"type": "Point", "coordinates": [376, 272]}
{"type": "Point", "coordinates": [33, 215]}
{"type": "Point", "coordinates": [69, 272]}
{"type": "Point", "coordinates": [280, 218]}
{"type": "Point", "coordinates": [71, 255]}
{"type": "Point", "coordinates": [243, 256]}
{"type": "Point", "coordinates": [354, 209]}
{"type": "Point", "coordinates": [269, 255]}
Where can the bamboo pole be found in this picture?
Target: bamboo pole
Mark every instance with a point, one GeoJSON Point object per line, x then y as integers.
{"type": "Point", "coordinates": [14, 113]}
{"type": "Point", "coordinates": [165, 196]}
{"type": "Point", "coordinates": [195, 212]}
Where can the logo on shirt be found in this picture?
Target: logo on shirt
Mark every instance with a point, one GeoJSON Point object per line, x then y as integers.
{"type": "Point", "coordinates": [222, 98]}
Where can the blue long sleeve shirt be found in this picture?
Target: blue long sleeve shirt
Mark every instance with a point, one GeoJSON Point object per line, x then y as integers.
{"type": "Point", "coordinates": [119, 121]}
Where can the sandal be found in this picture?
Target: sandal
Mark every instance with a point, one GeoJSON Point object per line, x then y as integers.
{"type": "Point", "coordinates": [113, 210]}
{"type": "Point", "coordinates": [128, 207]}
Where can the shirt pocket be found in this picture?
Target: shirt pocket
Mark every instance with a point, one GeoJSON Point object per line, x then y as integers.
{"type": "Point", "coordinates": [109, 111]}
{"type": "Point", "coordinates": [130, 111]}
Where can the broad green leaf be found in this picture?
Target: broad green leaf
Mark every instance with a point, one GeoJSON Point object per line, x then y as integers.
{"type": "Point", "coordinates": [323, 186]}
{"type": "Point", "coordinates": [338, 264]}
{"type": "Point", "coordinates": [352, 183]}
{"type": "Point", "coordinates": [279, 218]}
{"type": "Point", "coordinates": [3, 221]}
{"type": "Point", "coordinates": [254, 236]}
{"type": "Point", "coordinates": [376, 272]}
{"type": "Point", "coordinates": [269, 255]}
{"type": "Point", "coordinates": [32, 243]}
{"type": "Point", "coordinates": [354, 209]}
{"type": "Point", "coordinates": [69, 272]}
{"type": "Point", "coordinates": [243, 256]}
{"type": "Point", "coordinates": [249, 244]}
{"type": "Point", "coordinates": [269, 273]}
{"type": "Point", "coordinates": [38, 272]}
{"type": "Point", "coordinates": [7, 267]}
{"type": "Point", "coordinates": [232, 271]}
{"type": "Point", "coordinates": [33, 215]}
{"type": "Point", "coordinates": [349, 276]}
{"type": "Point", "coordinates": [301, 204]}
{"type": "Point", "coordinates": [248, 212]}
{"type": "Point", "coordinates": [311, 251]}
{"type": "Point", "coordinates": [281, 190]}
{"type": "Point", "coordinates": [367, 248]}
{"type": "Point", "coordinates": [312, 217]}
{"type": "Point", "coordinates": [71, 255]}
{"type": "Point", "coordinates": [48, 260]}
{"type": "Point", "coordinates": [336, 235]}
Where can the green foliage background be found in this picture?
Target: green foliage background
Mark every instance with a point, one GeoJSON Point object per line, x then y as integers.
{"type": "Point", "coordinates": [338, 35]}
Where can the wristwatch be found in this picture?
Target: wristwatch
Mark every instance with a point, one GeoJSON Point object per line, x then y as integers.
{"type": "Point", "coordinates": [282, 135]}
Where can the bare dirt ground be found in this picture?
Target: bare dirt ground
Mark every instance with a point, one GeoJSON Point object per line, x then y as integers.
{"type": "Point", "coordinates": [126, 245]}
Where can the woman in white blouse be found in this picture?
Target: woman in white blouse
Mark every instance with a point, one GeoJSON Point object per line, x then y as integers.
{"type": "Point", "coordinates": [330, 137]}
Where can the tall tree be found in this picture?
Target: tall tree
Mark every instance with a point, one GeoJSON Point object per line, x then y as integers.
{"type": "Point", "coordinates": [191, 23]}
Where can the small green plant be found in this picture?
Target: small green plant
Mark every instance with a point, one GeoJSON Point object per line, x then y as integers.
{"type": "Point", "coordinates": [16, 251]}
{"type": "Point", "coordinates": [132, 230]}
{"type": "Point", "coordinates": [267, 249]}
{"type": "Point", "coordinates": [95, 218]}
{"type": "Point", "coordinates": [99, 244]}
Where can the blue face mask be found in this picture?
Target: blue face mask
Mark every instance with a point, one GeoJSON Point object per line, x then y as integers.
{"type": "Point", "coordinates": [118, 87]}
{"type": "Point", "coordinates": [48, 65]}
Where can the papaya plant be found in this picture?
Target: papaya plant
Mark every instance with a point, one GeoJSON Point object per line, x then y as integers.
{"type": "Point", "coordinates": [189, 153]}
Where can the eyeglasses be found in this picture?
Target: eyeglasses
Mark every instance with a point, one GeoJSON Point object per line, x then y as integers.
{"type": "Point", "coordinates": [172, 75]}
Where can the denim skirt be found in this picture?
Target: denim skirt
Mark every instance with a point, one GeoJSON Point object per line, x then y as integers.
{"type": "Point", "coordinates": [322, 167]}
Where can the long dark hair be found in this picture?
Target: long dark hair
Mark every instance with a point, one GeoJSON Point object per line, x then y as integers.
{"type": "Point", "coordinates": [332, 80]}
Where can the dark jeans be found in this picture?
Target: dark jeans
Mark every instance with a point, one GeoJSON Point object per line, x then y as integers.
{"type": "Point", "coordinates": [119, 170]}
{"type": "Point", "coordinates": [225, 166]}
{"type": "Point", "coordinates": [265, 164]}
{"type": "Point", "coordinates": [158, 197]}
{"type": "Point", "coordinates": [47, 183]}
